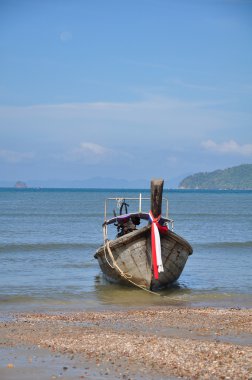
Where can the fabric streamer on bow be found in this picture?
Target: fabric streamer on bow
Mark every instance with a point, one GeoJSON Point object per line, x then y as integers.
{"type": "Point", "coordinates": [156, 244]}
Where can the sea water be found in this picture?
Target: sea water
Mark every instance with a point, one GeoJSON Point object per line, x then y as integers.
{"type": "Point", "coordinates": [48, 238]}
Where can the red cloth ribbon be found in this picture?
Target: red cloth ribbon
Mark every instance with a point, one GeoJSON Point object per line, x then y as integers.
{"type": "Point", "coordinates": [156, 244]}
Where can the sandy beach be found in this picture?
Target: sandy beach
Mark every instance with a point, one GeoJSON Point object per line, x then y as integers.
{"type": "Point", "coordinates": [147, 343]}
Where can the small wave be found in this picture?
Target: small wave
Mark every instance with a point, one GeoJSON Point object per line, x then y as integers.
{"type": "Point", "coordinates": [46, 247]}
{"type": "Point", "coordinates": [47, 215]}
{"type": "Point", "coordinates": [228, 244]}
{"type": "Point", "coordinates": [14, 298]}
{"type": "Point", "coordinates": [80, 266]}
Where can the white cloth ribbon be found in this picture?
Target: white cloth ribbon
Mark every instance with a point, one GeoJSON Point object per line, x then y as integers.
{"type": "Point", "coordinates": [158, 249]}
{"type": "Point", "coordinates": [156, 246]}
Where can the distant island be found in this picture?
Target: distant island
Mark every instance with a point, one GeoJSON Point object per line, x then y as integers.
{"type": "Point", "coordinates": [235, 178]}
{"type": "Point", "coordinates": [20, 185]}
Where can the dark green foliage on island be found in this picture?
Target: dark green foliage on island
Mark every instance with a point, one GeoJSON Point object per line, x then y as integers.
{"type": "Point", "coordinates": [235, 178]}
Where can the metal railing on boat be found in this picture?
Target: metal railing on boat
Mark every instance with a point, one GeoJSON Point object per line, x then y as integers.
{"type": "Point", "coordinates": [140, 199]}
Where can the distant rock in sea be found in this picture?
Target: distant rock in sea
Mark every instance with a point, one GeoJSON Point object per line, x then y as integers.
{"type": "Point", "coordinates": [20, 185]}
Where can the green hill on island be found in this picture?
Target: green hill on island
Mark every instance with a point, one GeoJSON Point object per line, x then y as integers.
{"type": "Point", "coordinates": [235, 178]}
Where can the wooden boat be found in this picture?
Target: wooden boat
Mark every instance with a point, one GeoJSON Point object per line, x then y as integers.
{"type": "Point", "coordinates": [129, 258]}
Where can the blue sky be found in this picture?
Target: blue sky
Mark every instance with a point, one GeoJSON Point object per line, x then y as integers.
{"type": "Point", "coordinates": [124, 89]}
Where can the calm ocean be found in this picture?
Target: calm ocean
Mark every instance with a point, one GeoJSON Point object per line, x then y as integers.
{"type": "Point", "coordinates": [48, 238]}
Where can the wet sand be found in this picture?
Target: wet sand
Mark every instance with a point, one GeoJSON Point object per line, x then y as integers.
{"type": "Point", "coordinates": [147, 343]}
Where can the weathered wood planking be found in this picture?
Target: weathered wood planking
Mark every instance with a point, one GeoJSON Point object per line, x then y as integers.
{"type": "Point", "coordinates": [156, 196]}
{"type": "Point", "coordinates": [132, 253]}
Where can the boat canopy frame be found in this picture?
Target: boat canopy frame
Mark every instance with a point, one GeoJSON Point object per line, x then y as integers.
{"type": "Point", "coordinates": [120, 219]}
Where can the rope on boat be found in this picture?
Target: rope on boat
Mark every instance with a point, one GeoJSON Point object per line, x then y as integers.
{"type": "Point", "coordinates": [115, 265]}
{"type": "Point", "coordinates": [104, 248]}
{"type": "Point", "coordinates": [129, 276]}
{"type": "Point", "coordinates": [121, 272]}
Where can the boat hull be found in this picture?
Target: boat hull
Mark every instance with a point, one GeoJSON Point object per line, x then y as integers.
{"type": "Point", "coordinates": [131, 256]}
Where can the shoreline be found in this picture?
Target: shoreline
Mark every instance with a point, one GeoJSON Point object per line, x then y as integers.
{"type": "Point", "coordinates": [164, 342]}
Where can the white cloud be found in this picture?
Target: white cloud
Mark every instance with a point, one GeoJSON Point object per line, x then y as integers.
{"type": "Point", "coordinates": [15, 157]}
{"type": "Point", "coordinates": [156, 115]}
{"type": "Point", "coordinates": [228, 147]}
{"type": "Point", "coordinates": [154, 121]}
{"type": "Point", "coordinates": [89, 147]}
{"type": "Point", "coordinates": [194, 86]}
{"type": "Point", "coordinates": [65, 36]}
{"type": "Point", "coordinates": [89, 152]}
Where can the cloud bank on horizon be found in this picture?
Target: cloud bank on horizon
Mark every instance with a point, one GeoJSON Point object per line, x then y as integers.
{"type": "Point", "coordinates": [125, 90]}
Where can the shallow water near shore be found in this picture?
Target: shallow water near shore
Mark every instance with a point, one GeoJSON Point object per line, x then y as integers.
{"type": "Point", "coordinates": [49, 237]}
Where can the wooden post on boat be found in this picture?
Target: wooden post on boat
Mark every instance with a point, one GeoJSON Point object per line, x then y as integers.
{"type": "Point", "coordinates": [156, 196]}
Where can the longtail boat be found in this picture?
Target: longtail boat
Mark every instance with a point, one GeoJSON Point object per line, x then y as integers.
{"type": "Point", "coordinates": [149, 257]}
